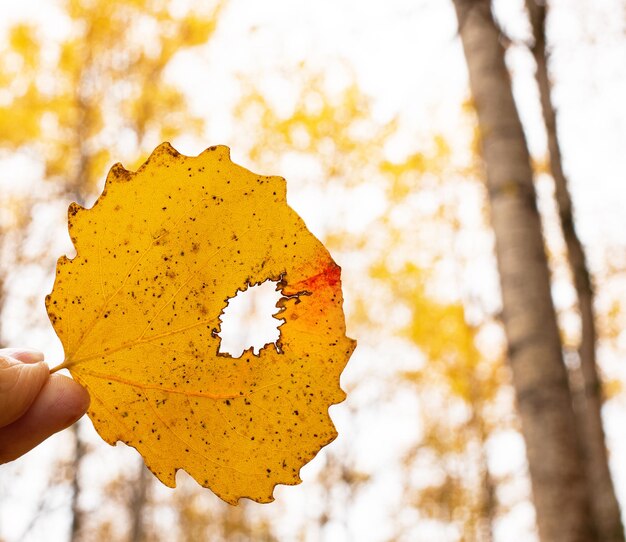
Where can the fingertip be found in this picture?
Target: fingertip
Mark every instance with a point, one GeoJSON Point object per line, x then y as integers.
{"type": "Point", "coordinates": [78, 399]}
{"type": "Point", "coordinates": [71, 398]}
{"type": "Point", "coordinates": [61, 402]}
{"type": "Point", "coordinates": [20, 383]}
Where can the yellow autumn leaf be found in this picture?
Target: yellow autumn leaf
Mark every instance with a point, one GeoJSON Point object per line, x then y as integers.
{"type": "Point", "coordinates": [138, 312]}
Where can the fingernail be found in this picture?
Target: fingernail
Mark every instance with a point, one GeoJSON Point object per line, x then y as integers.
{"type": "Point", "coordinates": [25, 355]}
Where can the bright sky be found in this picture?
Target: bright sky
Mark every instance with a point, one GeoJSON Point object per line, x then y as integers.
{"type": "Point", "coordinates": [405, 54]}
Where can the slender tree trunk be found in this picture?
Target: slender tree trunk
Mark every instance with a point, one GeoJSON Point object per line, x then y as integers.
{"type": "Point", "coordinates": [487, 509]}
{"type": "Point", "coordinates": [77, 513]}
{"type": "Point", "coordinates": [138, 503]}
{"type": "Point", "coordinates": [587, 399]}
{"type": "Point", "coordinates": [535, 352]}
{"type": "Point", "coordinates": [488, 504]}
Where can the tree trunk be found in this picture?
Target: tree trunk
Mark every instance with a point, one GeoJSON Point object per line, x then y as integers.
{"type": "Point", "coordinates": [76, 511]}
{"type": "Point", "coordinates": [138, 502]}
{"type": "Point", "coordinates": [587, 399]}
{"type": "Point", "coordinates": [487, 509]}
{"type": "Point", "coordinates": [535, 353]}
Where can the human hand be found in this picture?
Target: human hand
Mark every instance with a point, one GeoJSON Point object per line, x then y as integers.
{"type": "Point", "coordinates": [33, 403]}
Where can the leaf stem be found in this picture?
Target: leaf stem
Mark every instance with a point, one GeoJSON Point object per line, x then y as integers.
{"type": "Point", "coordinates": [65, 365]}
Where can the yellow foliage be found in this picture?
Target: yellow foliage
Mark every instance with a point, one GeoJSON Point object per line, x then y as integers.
{"type": "Point", "coordinates": [138, 312]}
{"type": "Point", "coordinates": [22, 40]}
{"type": "Point", "coordinates": [612, 387]}
{"type": "Point", "coordinates": [337, 130]}
{"type": "Point", "coordinates": [416, 162]}
{"type": "Point", "coordinates": [107, 81]}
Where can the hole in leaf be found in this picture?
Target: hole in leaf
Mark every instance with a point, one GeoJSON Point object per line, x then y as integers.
{"type": "Point", "coordinates": [247, 320]}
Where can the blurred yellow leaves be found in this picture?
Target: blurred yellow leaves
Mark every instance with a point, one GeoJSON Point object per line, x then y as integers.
{"type": "Point", "coordinates": [102, 88]}
{"type": "Point", "coordinates": [22, 40]}
{"type": "Point", "coordinates": [19, 124]}
{"type": "Point", "coordinates": [138, 312]}
{"type": "Point", "coordinates": [337, 130]}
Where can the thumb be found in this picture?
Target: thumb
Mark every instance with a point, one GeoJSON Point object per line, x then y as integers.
{"type": "Point", "coordinates": [22, 375]}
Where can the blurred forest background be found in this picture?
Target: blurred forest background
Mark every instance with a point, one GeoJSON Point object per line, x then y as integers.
{"type": "Point", "coordinates": [464, 164]}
